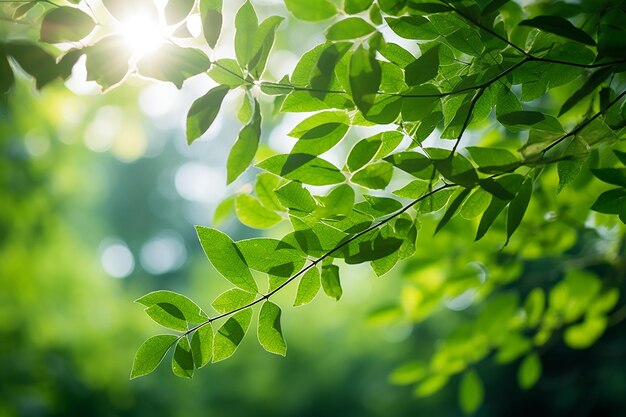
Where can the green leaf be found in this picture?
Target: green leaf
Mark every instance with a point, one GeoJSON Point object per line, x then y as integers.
{"type": "Point", "coordinates": [307, 169]}
{"type": "Point", "coordinates": [33, 60]}
{"type": "Point", "coordinates": [412, 27]}
{"type": "Point", "coordinates": [493, 160]}
{"type": "Point", "coordinates": [518, 207]}
{"type": "Point", "coordinates": [476, 204]}
{"type": "Point", "coordinates": [356, 6]}
{"type": "Point", "coordinates": [414, 163]}
{"type": "Point", "coordinates": [173, 63]}
{"type": "Point", "coordinates": [362, 153]}
{"type": "Point", "coordinates": [172, 310]}
{"type": "Point", "coordinates": [349, 28]}
{"type": "Point", "coordinates": [269, 332]}
{"type": "Point", "coordinates": [243, 151]}
{"type": "Point", "coordinates": [365, 77]}
{"type": "Point", "coordinates": [529, 371]}
{"type": "Point", "coordinates": [265, 188]}
{"type": "Point", "coordinates": [7, 79]}
{"type": "Point", "coordinates": [182, 360]}
{"type": "Point", "coordinates": [226, 258]}
{"type": "Point", "coordinates": [202, 345]}
{"type": "Point", "coordinates": [585, 334]}
{"type": "Point", "coordinates": [203, 112]}
{"type": "Point", "coordinates": [230, 335]}
{"type": "Point", "coordinates": [296, 198]}
{"type": "Point", "coordinates": [330, 281]}
{"type": "Point", "coordinates": [568, 170]}
{"type": "Point", "coordinates": [246, 25]}
{"type": "Point", "coordinates": [559, 26]}
{"type": "Point", "coordinates": [177, 10]}
{"type": "Point", "coordinates": [311, 10]}
{"type": "Point", "coordinates": [424, 68]}
{"type": "Point", "coordinates": [338, 202]}
{"type": "Point", "coordinates": [620, 155]}
{"type": "Point", "coordinates": [510, 183]}
{"type": "Point", "coordinates": [593, 82]}
{"type": "Point", "coordinates": [615, 176]}
{"type": "Point", "coordinates": [308, 288]}
{"type": "Point", "coordinates": [224, 210]}
{"type": "Point", "coordinates": [211, 15]}
{"type": "Point", "coordinates": [226, 71]}
{"type": "Point", "coordinates": [320, 132]}
{"type": "Point", "coordinates": [150, 354]}
{"type": "Point", "coordinates": [471, 392]}
{"type": "Point", "coordinates": [534, 306]}
{"type": "Point", "coordinates": [431, 385]}
{"type": "Point", "coordinates": [375, 176]}
{"type": "Point", "coordinates": [413, 189]}
{"type": "Point", "coordinates": [453, 208]}
{"type": "Point", "coordinates": [232, 300]}
{"type": "Point", "coordinates": [274, 257]}
{"type": "Point", "coordinates": [263, 42]}
{"type": "Point", "coordinates": [611, 202]}
{"type": "Point", "coordinates": [65, 24]}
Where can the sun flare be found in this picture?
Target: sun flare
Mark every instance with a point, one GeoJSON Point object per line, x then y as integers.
{"type": "Point", "coordinates": [144, 34]}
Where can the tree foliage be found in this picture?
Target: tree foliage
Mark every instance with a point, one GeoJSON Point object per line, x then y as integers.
{"type": "Point", "coordinates": [485, 117]}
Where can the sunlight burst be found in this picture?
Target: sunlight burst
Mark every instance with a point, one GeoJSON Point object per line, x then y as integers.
{"type": "Point", "coordinates": [144, 34]}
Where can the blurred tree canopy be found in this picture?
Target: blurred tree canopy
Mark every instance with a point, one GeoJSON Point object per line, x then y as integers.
{"type": "Point", "coordinates": [473, 149]}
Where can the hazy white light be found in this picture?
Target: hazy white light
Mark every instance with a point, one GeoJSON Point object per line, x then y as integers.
{"type": "Point", "coordinates": [100, 134]}
{"type": "Point", "coordinates": [78, 83]}
{"type": "Point", "coordinates": [158, 99]}
{"type": "Point", "coordinates": [163, 253]}
{"type": "Point", "coordinates": [117, 260]}
{"type": "Point", "coordinates": [143, 34]}
{"type": "Point", "coordinates": [462, 301]}
{"type": "Point", "coordinates": [36, 144]}
{"type": "Point", "coordinates": [194, 25]}
{"type": "Point", "coordinates": [197, 182]}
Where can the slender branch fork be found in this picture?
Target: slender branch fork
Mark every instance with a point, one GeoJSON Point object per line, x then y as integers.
{"type": "Point", "coordinates": [479, 90]}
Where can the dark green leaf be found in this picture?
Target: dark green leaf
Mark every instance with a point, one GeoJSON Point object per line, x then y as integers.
{"type": "Point", "coordinates": [172, 310]}
{"type": "Point", "coordinates": [230, 335]}
{"type": "Point", "coordinates": [518, 207]}
{"type": "Point", "coordinates": [452, 208]}
{"type": "Point", "coordinates": [307, 169]}
{"type": "Point", "coordinates": [365, 77]}
{"type": "Point", "coordinates": [34, 61]}
{"type": "Point", "coordinates": [203, 112]}
{"type": "Point", "coordinates": [202, 345]}
{"type": "Point", "coordinates": [243, 151]}
{"type": "Point", "coordinates": [615, 176]}
{"type": "Point", "coordinates": [559, 26]}
{"type": "Point", "coordinates": [271, 256]}
{"type": "Point", "coordinates": [424, 68]}
{"type": "Point", "coordinates": [211, 15]}
{"type": "Point", "coordinates": [182, 360]}
{"type": "Point", "coordinates": [587, 88]}
{"type": "Point", "coordinates": [611, 202]}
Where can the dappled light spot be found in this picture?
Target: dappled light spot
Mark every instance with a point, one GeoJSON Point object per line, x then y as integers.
{"type": "Point", "coordinates": [164, 253]}
{"type": "Point", "coordinates": [117, 260]}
